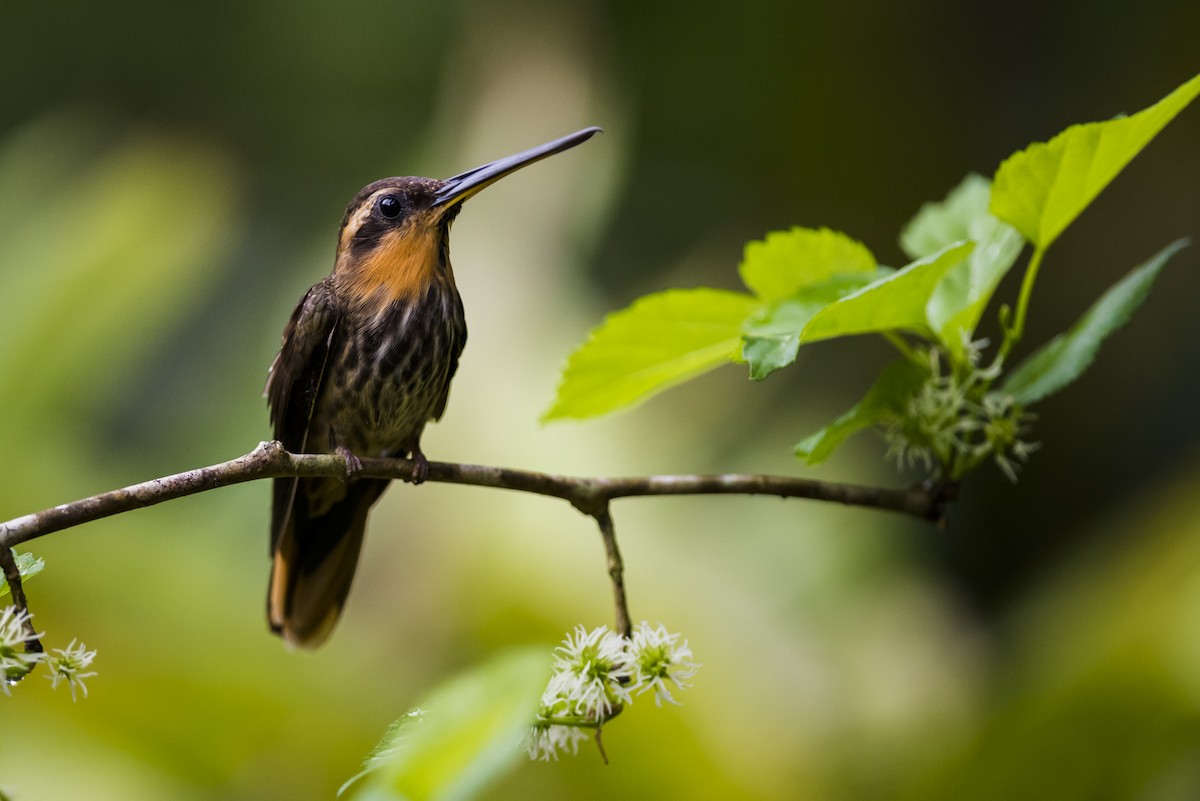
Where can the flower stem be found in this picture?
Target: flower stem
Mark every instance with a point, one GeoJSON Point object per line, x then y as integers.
{"type": "Point", "coordinates": [904, 348]}
{"type": "Point", "coordinates": [1013, 334]}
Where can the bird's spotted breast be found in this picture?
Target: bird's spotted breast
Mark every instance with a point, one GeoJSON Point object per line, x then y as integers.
{"type": "Point", "coordinates": [396, 375]}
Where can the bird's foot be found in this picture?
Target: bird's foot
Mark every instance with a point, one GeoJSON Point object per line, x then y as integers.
{"type": "Point", "coordinates": [420, 470]}
{"type": "Point", "coordinates": [353, 463]}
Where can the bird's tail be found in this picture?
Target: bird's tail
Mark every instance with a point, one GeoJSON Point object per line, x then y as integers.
{"type": "Point", "coordinates": [314, 555]}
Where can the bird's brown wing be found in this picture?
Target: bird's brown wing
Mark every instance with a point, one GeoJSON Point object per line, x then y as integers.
{"type": "Point", "coordinates": [316, 523]}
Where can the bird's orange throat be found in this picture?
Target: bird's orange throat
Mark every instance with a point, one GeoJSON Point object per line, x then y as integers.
{"type": "Point", "coordinates": [401, 267]}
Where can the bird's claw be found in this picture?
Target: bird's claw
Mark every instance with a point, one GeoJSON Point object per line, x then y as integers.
{"type": "Point", "coordinates": [353, 463]}
{"type": "Point", "coordinates": [420, 470]}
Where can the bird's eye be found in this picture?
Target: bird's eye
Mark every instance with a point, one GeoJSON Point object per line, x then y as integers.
{"type": "Point", "coordinates": [390, 206]}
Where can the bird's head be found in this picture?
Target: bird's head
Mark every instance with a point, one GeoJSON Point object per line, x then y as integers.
{"type": "Point", "coordinates": [394, 239]}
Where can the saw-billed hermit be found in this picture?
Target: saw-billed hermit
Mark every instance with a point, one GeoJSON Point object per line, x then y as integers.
{"type": "Point", "coordinates": [366, 362]}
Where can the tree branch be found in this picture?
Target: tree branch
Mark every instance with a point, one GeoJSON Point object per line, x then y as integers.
{"type": "Point", "coordinates": [589, 495]}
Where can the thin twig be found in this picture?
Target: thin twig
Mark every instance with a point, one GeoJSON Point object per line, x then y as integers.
{"type": "Point", "coordinates": [600, 744]}
{"type": "Point", "coordinates": [616, 572]}
{"type": "Point", "coordinates": [12, 574]}
{"type": "Point", "coordinates": [589, 495]}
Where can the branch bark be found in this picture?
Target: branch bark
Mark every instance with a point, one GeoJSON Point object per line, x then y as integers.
{"type": "Point", "coordinates": [590, 495]}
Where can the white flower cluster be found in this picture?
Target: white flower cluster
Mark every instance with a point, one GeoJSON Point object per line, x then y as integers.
{"type": "Point", "coordinates": [65, 665]}
{"type": "Point", "coordinates": [597, 673]}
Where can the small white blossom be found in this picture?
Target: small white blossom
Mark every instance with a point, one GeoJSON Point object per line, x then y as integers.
{"type": "Point", "coordinates": [544, 741]}
{"type": "Point", "coordinates": [15, 632]}
{"type": "Point", "coordinates": [71, 665]}
{"type": "Point", "coordinates": [591, 669]}
{"type": "Point", "coordinates": [659, 658]}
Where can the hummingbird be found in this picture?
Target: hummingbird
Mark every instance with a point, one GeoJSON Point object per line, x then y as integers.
{"type": "Point", "coordinates": [366, 361]}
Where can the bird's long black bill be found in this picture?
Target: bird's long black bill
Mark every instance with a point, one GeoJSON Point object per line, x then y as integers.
{"type": "Point", "coordinates": [462, 186]}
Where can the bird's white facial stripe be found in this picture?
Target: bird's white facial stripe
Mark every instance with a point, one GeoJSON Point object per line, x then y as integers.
{"type": "Point", "coordinates": [360, 216]}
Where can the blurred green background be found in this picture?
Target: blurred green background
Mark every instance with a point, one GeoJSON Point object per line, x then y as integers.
{"type": "Point", "coordinates": [171, 179]}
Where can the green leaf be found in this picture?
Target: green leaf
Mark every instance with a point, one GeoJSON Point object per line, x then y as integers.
{"type": "Point", "coordinates": [388, 747]}
{"type": "Point", "coordinates": [954, 219]}
{"type": "Point", "coordinates": [789, 261]}
{"type": "Point", "coordinates": [660, 341]}
{"type": "Point", "coordinates": [772, 337]}
{"type": "Point", "coordinates": [894, 302]}
{"type": "Point", "coordinates": [886, 400]}
{"type": "Point", "coordinates": [1064, 358]}
{"type": "Point", "coordinates": [1043, 188]}
{"type": "Point", "coordinates": [960, 299]}
{"type": "Point", "coordinates": [28, 566]}
{"type": "Point", "coordinates": [463, 736]}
